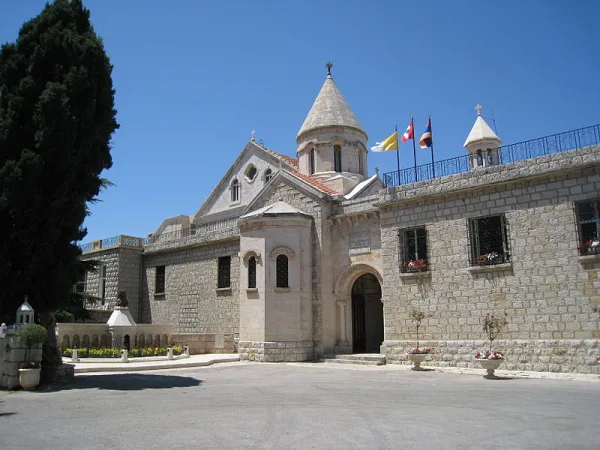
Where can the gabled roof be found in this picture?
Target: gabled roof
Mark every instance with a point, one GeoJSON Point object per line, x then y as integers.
{"type": "Point", "coordinates": [481, 131]}
{"type": "Point", "coordinates": [279, 208]}
{"type": "Point", "coordinates": [330, 109]}
{"type": "Point", "coordinates": [285, 158]}
{"type": "Point", "coordinates": [314, 183]}
{"type": "Point", "coordinates": [120, 318]}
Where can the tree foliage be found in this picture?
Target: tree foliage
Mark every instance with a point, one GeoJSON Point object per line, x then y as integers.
{"type": "Point", "coordinates": [57, 116]}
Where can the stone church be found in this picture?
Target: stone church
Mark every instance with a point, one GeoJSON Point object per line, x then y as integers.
{"type": "Point", "coordinates": [306, 258]}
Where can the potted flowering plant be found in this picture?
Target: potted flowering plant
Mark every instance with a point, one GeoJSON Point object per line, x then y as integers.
{"type": "Point", "coordinates": [487, 259]}
{"type": "Point", "coordinates": [417, 355]}
{"type": "Point", "coordinates": [590, 247]}
{"type": "Point", "coordinates": [416, 265]}
{"type": "Point", "coordinates": [29, 371]}
{"type": "Point", "coordinates": [492, 325]}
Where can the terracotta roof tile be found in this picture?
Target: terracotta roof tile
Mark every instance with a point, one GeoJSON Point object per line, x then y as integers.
{"type": "Point", "coordinates": [285, 158]}
{"type": "Point", "coordinates": [313, 183]}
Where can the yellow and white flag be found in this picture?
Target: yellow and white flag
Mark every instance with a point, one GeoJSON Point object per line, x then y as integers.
{"type": "Point", "coordinates": [390, 143]}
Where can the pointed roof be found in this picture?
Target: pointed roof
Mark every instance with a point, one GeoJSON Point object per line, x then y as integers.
{"type": "Point", "coordinates": [276, 209]}
{"type": "Point", "coordinates": [330, 109]}
{"type": "Point", "coordinates": [25, 307]}
{"type": "Point", "coordinates": [481, 131]}
{"type": "Point", "coordinates": [120, 317]}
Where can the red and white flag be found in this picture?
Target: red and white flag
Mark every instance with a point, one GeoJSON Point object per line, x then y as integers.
{"type": "Point", "coordinates": [409, 133]}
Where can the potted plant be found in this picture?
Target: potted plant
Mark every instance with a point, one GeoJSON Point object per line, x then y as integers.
{"type": "Point", "coordinates": [488, 259]}
{"type": "Point", "coordinates": [490, 361]}
{"type": "Point", "coordinates": [415, 266]}
{"type": "Point", "coordinates": [417, 355]}
{"type": "Point", "coordinates": [29, 371]}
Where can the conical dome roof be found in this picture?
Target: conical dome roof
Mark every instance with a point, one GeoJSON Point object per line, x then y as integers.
{"type": "Point", "coordinates": [481, 131]}
{"type": "Point", "coordinates": [330, 109]}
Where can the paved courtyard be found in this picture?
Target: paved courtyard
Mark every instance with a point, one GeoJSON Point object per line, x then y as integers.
{"type": "Point", "coordinates": [284, 406]}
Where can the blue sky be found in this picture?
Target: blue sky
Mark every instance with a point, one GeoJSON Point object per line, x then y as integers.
{"type": "Point", "coordinates": [193, 78]}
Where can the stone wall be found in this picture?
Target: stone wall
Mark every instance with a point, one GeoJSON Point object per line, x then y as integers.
{"type": "Point", "coordinates": [12, 354]}
{"type": "Point", "coordinates": [191, 302]}
{"type": "Point", "coordinates": [276, 351]}
{"type": "Point", "coordinates": [130, 264]}
{"type": "Point", "coordinates": [205, 343]}
{"type": "Point", "coordinates": [110, 258]}
{"type": "Point", "coordinates": [550, 293]}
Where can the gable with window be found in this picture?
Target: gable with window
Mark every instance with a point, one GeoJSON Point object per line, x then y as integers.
{"type": "Point", "coordinates": [413, 250]}
{"type": "Point", "coordinates": [224, 275]}
{"type": "Point", "coordinates": [159, 280]}
{"type": "Point", "coordinates": [588, 224]}
{"type": "Point", "coordinates": [489, 240]}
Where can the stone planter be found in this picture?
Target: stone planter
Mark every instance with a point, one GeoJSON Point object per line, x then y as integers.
{"type": "Point", "coordinates": [29, 378]}
{"type": "Point", "coordinates": [417, 359]}
{"type": "Point", "coordinates": [490, 365]}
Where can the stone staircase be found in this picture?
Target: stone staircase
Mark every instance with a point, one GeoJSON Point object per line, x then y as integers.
{"type": "Point", "coordinates": [367, 359]}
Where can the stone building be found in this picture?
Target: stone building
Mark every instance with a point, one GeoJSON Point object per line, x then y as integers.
{"type": "Point", "coordinates": [294, 259]}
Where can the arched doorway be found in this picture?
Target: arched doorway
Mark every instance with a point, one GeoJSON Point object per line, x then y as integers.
{"type": "Point", "coordinates": [367, 315]}
{"type": "Point", "coordinates": [126, 342]}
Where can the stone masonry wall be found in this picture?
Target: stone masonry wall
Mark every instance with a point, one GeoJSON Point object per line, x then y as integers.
{"type": "Point", "coordinates": [550, 293]}
{"type": "Point", "coordinates": [191, 302]}
{"type": "Point", "coordinates": [12, 354]}
{"type": "Point", "coordinates": [276, 351]}
{"type": "Point", "coordinates": [130, 261]}
{"type": "Point", "coordinates": [205, 343]}
{"type": "Point", "coordinates": [110, 258]}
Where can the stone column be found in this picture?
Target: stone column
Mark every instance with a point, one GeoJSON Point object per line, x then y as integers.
{"type": "Point", "coordinates": [342, 305]}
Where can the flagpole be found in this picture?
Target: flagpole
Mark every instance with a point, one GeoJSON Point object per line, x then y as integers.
{"type": "Point", "coordinates": [432, 160]}
{"type": "Point", "coordinates": [398, 154]}
{"type": "Point", "coordinates": [412, 124]}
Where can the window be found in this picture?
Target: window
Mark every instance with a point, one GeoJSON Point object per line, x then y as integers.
{"type": "Point", "coordinates": [159, 282]}
{"type": "Point", "coordinates": [81, 285]}
{"type": "Point", "coordinates": [224, 276]}
{"type": "Point", "coordinates": [235, 191]}
{"type": "Point", "coordinates": [312, 161]}
{"type": "Point", "coordinates": [102, 284]}
{"type": "Point", "coordinates": [489, 241]}
{"type": "Point", "coordinates": [282, 271]}
{"type": "Point", "coordinates": [252, 273]}
{"type": "Point", "coordinates": [479, 158]}
{"type": "Point", "coordinates": [337, 158]}
{"type": "Point", "coordinates": [490, 157]}
{"type": "Point", "coordinates": [251, 172]}
{"type": "Point", "coordinates": [268, 175]}
{"type": "Point", "coordinates": [588, 222]}
{"type": "Point", "coordinates": [361, 164]}
{"type": "Point", "coordinates": [413, 243]}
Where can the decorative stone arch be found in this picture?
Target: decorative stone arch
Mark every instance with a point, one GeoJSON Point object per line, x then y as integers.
{"type": "Point", "coordinates": [249, 254]}
{"type": "Point", "coordinates": [350, 275]}
{"type": "Point", "coordinates": [282, 251]}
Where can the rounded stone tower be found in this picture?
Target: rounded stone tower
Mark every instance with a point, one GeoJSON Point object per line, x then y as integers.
{"type": "Point", "coordinates": [331, 143]}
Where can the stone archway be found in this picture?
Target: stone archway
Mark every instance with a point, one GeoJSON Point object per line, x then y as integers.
{"type": "Point", "coordinates": [367, 314]}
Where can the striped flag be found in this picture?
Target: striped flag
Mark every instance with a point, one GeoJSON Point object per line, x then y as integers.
{"type": "Point", "coordinates": [409, 133]}
{"type": "Point", "coordinates": [426, 139]}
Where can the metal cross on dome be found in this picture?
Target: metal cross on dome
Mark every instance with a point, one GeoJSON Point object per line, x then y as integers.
{"type": "Point", "coordinates": [478, 108]}
{"type": "Point", "coordinates": [329, 65]}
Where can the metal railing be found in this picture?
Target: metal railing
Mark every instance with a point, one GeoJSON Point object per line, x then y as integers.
{"type": "Point", "coordinates": [547, 145]}
{"type": "Point", "coordinates": [205, 229]}
{"type": "Point", "coordinates": [114, 241]}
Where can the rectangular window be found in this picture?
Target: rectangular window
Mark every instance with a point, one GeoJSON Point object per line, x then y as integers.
{"type": "Point", "coordinates": [337, 158]}
{"type": "Point", "coordinates": [252, 273]}
{"type": "Point", "coordinates": [312, 161]}
{"type": "Point", "coordinates": [588, 223]}
{"type": "Point", "coordinates": [224, 276]}
{"type": "Point", "coordinates": [81, 285]}
{"type": "Point", "coordinates": [489, 241]}
{"type": "Point", "coordinates": [159, 282]}
{"type": "Point", "coordinates": [102, 284]}
{"type": "Point", "coordinates": [413, 242]}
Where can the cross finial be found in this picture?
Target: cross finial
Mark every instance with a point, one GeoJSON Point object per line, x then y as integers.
{"type": "Point", "coordinates": [478, 108]}
{"type": "Point", "coordinates": [329, 65]}
{"type": "Point", "coordinates": [252, 133]}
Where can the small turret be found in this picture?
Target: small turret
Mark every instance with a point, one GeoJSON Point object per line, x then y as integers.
{"type": "Point", "coordinates": [482, 143]}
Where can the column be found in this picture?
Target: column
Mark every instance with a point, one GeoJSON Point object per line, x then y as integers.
{"type": "Point", "coordinates": [342, 305]}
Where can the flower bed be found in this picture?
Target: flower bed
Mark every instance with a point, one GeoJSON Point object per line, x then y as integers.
{"type": "Point", "coordinates": [591, 247]}
{"type": "Point", "coordinates": [116, 352]}
{"type": "Point", "coordinates": [414, 266]}
{"type": "Point", "coordinates": [420, 351]}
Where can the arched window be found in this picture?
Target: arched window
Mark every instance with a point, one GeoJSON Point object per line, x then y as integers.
{"type": "Point", "coordinates": [252, 273]}
{"type": "Point", "coordinates": [268, 175]}
{"type": "Point", "coordinates": [235, 191]}
{"type": "Point", "coordinates": [490, 158]}
{"type": "Point", "coordinates": [337, 158]}
{"type": "Point", "coordinates": [479, 158]}
{"type": "Point", "coordinates": [282, 271]}
{"type": "Point", "coordinates": [312, 161]}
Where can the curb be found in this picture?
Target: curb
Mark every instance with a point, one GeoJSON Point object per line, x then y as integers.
{"type": "Point", "coordinates": [131, 368]}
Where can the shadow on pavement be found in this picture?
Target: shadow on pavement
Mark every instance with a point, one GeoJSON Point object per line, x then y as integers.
{"type": "Point", "coordinates": [124, 382]}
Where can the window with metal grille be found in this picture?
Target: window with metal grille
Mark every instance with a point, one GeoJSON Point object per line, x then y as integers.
{"type": "Point", "coordinates": [413, 244]}
{"type": "Point", "coordinates": [235, 191]}
{"type": "Point", "coordinates": [337, 158]}
{"type": "Point", "coordinates": [282, 271]}
{"type": "Point", "coordinates": [489, 241]}
{"type": "Point", "coordinates": [588, 224]}
{"type": "Point", "coordinates": [224, 277]}
{"type": "Point", "coordinates": [102, 284]}
{"type": "Point", "coordinates": [252, 272]}
{"type": "Point", "coordinates": [159, 281]}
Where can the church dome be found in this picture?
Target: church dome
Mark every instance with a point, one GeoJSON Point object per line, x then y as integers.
{"type": "Point", "coordinates": [330, 109]}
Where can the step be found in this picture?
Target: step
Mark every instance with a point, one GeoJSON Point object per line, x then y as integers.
{"type": "Point", "coordinates": [353, 361]}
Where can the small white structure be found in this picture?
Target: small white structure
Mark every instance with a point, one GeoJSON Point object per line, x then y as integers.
{"type": "Point", "coordinates": [482, 143]}
{"type": "Point", "coordinates": [121, 327]}
{"type": "Point", "coordinates": [25, 313]}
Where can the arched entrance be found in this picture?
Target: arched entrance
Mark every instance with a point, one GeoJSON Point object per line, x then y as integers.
{"type": "Point", "coordinates": [367, 315]}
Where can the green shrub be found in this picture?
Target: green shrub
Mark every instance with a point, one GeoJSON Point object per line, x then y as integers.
{"type": "Point", "coordinates": [116, 352]}
{"type": "Point", "coordinates": [30, 335]}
